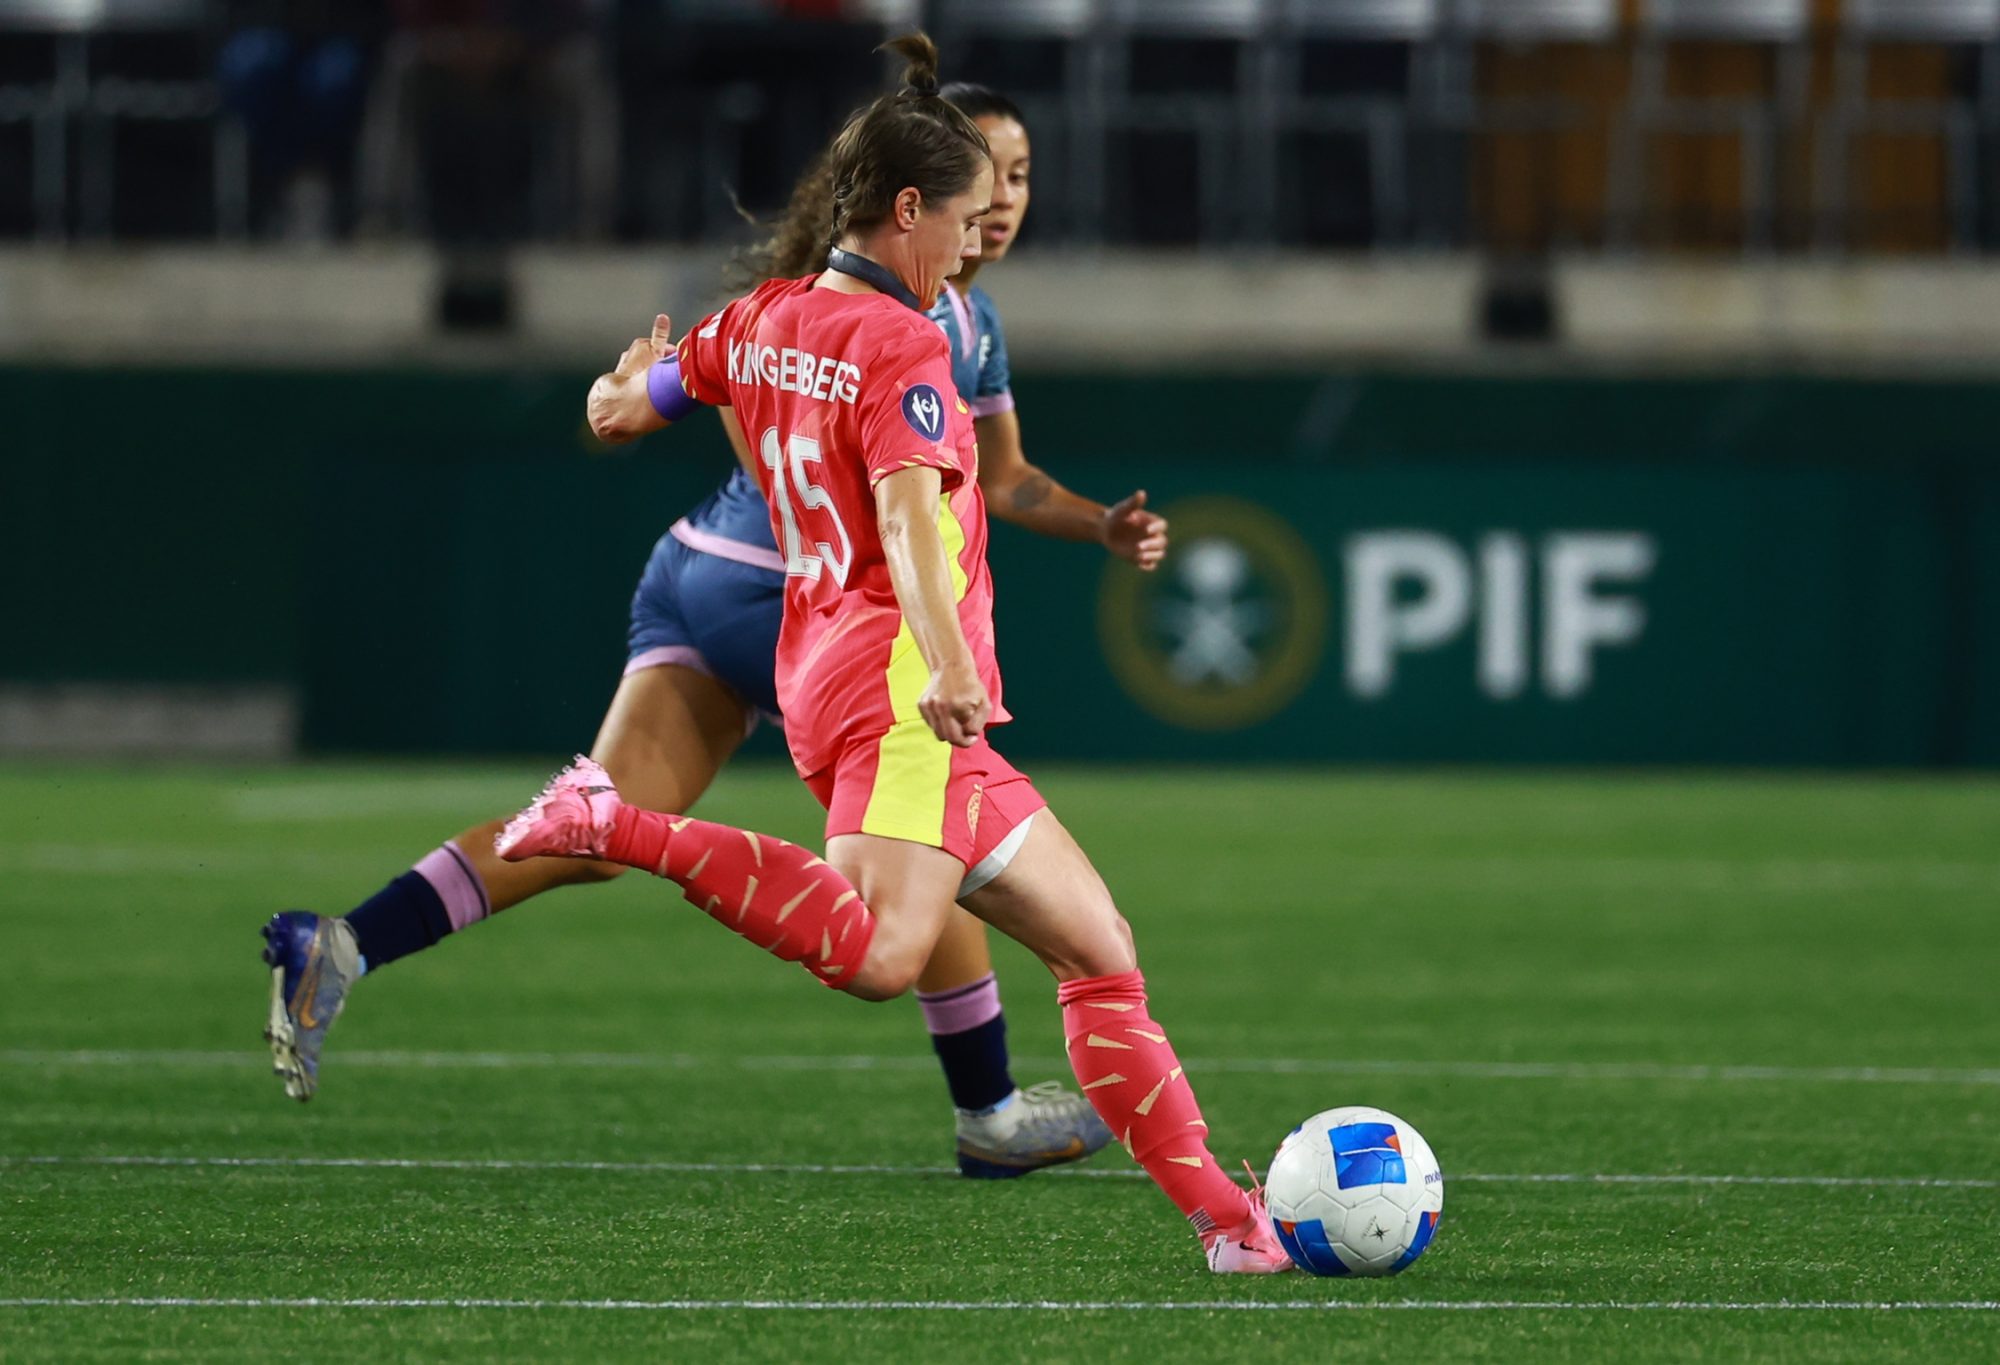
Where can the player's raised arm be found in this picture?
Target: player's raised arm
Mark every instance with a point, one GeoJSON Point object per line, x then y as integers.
{"type": "Point", "coordinates": [955, 703]}
{"type": "Point", "coordinates": [1025, 495]}
{"type": "Point", "coordinates": [642, 393]}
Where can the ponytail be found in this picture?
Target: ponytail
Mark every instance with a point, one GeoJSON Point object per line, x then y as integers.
{"type": "Point", "coordinates": [914, 137]}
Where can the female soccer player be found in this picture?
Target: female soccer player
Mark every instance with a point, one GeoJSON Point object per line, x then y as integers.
{"type": "Point", "coordinates": [886, 666]}
{"type": "Point", "coordinates": [704, 629]}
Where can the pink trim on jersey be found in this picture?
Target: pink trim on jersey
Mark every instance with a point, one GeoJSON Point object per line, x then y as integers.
{"type": "Point", "coordinates": [687, 656]}
{"type": "Point", "coordinates": [722, 547]}
{"type": "Point", "coordinates": [993, 403]}
{"type": "Point", "coordinates": [457, 884]}
{"type": "Point", "coordinates": [955, 1011]}
{"type": "Point", "coordinates": [968, 336]}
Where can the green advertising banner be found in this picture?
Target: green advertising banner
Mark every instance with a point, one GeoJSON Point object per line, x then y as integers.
{"type": "Point", "coordinates": [1366, 568]}
{"type": "Point", "coordinates": [1521, 614]}
{"type": "Point", "coordinates": [1435, 613]}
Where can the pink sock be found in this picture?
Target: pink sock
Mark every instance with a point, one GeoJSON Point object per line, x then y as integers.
{"type": "Point", "coordinates": [785, 900]}
{"type": "Point", "coordinates": [457, 884]}
{"type": "Point", "coordinates": [1128, 1069]}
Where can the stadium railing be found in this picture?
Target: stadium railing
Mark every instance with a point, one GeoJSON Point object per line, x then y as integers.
{"type": "Point", "coordinates": [1969, 26]}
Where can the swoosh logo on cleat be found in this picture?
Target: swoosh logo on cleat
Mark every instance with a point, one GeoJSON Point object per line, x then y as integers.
{"type": "Point", "coordinates": [1074, 1150]}
{"type": "Point", "coordinates": [308, 988]}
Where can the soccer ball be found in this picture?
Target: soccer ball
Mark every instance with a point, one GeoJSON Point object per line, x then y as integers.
{"type": "Point", "coordinates": [1355, 1191]}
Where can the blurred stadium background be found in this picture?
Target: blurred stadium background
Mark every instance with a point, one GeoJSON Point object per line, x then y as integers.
{"type": "Point", "coordinates": [1528, 380]}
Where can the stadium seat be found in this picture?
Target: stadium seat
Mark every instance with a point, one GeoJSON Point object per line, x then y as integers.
{"type": "Point", "coordinates": [1209, 47]}
{"type": "Point", "coordinates": [1481, 29]}
{"type": "Point", "coordinates": [1540, 21]}
{"type": "Point", "coordinates": [1867, 25]}
{"type": "Point", "coordinates": [1776, 27]}
{"type": "Point", "coordinates": [1033, 51]}
{"type": "Point", "coordinates": [86, 100]}
{"type": "Point", "coordinates": [1285, 100]}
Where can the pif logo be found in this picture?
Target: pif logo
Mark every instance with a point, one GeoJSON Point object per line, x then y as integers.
{"type": "Point", "coordinates": [923, 409]}
{"type": "Point", "coordinates": [1229, 630]}
{"type": "Point", "coordinates": [1410, 591]}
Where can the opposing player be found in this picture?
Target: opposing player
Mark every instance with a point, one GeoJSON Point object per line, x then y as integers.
{"type": "Point", "coordinates": [886, 664]}
{"type": "Point", "coordinates": [704, 628]}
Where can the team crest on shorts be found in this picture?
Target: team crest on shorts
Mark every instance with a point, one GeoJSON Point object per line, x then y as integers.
{"type": "Point", "coordinates": [923, 409]}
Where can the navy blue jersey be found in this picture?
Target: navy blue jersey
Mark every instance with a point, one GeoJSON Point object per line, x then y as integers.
{"type": "Point", "coordinates": [735, 522]}
{"type": "Point", "coordinates": [978, 349]}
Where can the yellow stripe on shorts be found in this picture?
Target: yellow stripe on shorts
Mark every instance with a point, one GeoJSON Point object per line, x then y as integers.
{"type": "Point", "coordinates": [912, 765]}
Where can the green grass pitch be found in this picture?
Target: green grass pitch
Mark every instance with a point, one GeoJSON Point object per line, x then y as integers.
{"type": "Point", "coordinates": [1712, 1064]}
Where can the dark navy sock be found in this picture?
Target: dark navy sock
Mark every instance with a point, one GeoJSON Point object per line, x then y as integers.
{"type": "Point", "coordinates": [975, 1064]}
{"type": "Point", "coordinates": [404, 917]}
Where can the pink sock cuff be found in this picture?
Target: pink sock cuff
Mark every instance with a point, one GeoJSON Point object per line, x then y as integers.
{"type": "Point", "coordinates": [451, 875]}
{"type": "Point", "coordinates": [962, 1007]}
{"type": "Point", "coordinates": [1120, 983]}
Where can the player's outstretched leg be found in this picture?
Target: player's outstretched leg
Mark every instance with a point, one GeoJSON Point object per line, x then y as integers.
{"type": "Point", "coordinates": [1128, 1068]}
{"type": "Point", "coordinates": [442, 895]}
{"type": "Point", "coordinates": [669, 730]}
{"type": "Point", "coordinates": [1051, 899]}
{"type": "Point", "coordinates": [781, 897]}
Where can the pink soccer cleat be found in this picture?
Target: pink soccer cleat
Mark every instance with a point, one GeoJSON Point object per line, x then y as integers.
{"type": "Point", "coordinates": [572, 818]}
{"type": "Point", "coordinates": [1252, 1249]}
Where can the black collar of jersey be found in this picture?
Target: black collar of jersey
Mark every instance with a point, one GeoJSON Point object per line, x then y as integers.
{"type": "Point", "coordinates": [870, 272]}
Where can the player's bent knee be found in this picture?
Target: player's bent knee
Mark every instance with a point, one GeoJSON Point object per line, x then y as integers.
{"type": "Point", "coordinates": [889, 970]}
{"type": "Point", "coordinates": [878, 982]}
{"type": "Point", "coordinates": [1103, 952]}
{"type": "Point", "coordinates": [872, 988]}
{"type": "Point", "coordinates": [1116, 954]}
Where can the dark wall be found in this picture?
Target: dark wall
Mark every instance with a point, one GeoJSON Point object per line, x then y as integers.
{"type": "Point", "coordinates": [1369, 566]}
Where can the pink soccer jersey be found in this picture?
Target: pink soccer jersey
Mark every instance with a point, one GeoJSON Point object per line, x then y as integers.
{"type": "Point", "coordinates": [835, 391]}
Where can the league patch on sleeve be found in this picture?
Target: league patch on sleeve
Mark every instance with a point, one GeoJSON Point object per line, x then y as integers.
{"type": "Point", "coordinates": [923, 409]}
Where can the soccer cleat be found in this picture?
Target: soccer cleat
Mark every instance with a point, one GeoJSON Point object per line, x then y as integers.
{"type": "Point", "coordinates": [1252, 1249]}
{"type": "Point", "coordinates": [314, 963]}
{"type": "Point", "coordinates": [572, 818]}
{"type": "Point", "coordinates": [1044, 1125]}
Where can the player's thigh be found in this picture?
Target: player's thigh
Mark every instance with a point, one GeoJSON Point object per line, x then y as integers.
{"type": "Point", "coordinates": [908, 887]}
{"type": "Point", "coordinates": [1051, 901]}
{"type": "Point", "coordinates": [667, 733]}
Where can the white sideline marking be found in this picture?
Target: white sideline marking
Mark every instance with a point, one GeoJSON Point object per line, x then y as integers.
{"type": "Point", "coordinates": [1318, 1066]}
{"type": "Point", "coordinates": [1055, 1305]}
{"type": "Point", "coordinates": [810, 1168]}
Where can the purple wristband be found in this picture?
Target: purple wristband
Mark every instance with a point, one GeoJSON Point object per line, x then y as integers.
{"type": "Point", "coordinates": [663, 386]}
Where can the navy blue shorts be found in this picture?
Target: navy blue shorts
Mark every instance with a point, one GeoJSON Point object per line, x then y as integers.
{"type": "Point", "coordinates": [711, 614]}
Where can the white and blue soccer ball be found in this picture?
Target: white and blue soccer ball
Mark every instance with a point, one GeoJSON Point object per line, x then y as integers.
{"type": "Point", "coordinates": [1355, 1191]}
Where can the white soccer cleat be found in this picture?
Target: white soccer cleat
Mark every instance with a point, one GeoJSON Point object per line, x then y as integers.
{"type": "Point", "coordinates": [1044, 1125]}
